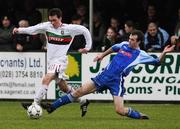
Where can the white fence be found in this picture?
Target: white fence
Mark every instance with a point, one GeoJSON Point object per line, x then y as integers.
{"type": "Point", "coordinates": [21, 75]}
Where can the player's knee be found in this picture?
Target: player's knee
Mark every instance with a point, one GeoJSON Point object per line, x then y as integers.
{"type": "Point", "coordinates": [47, 79]}
{"type": "Point", "coordinates": [63, 86]}
{"type": "Point", "coordinates": [77, 93]}
{"type": "Point", "coordinates": [120, 111]}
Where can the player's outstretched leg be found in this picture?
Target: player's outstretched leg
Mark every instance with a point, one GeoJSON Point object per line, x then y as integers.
{"type": "Point", "coordinates": [83, 107]}
{"type": "Point", "coordinates": [68, 89]}
{"type": "Point", "coordinates": [127, 111]}
{"type": "Point", "coordinates": [66, 99]}
{"type": "Point", "coordinates": [63, 101]}
{"type": "Point", "coordinates": [136, 115]}
{"type": "Point", "coordinates": [51, 107]}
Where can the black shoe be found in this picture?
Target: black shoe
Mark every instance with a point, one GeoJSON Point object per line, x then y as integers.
{"type": "Point", "coordinates": [25, 105]}
{"type": "Point", "coordinates": [45, 105]}
{"type": "Point", "coordinates": [48, 107]}
{"type": "Point", "coordinates": [84, 107]}
{"type": "Point", "coordinates": [144, 116]}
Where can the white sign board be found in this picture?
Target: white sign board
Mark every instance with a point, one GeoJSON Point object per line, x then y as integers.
{"type": "Point", "coordinates": [21, 74]}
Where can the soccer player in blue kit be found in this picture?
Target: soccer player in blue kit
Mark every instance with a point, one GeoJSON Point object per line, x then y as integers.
{"type": "Point", "coordinates": [127, 57]}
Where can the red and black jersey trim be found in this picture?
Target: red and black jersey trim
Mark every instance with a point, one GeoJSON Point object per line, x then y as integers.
{"type": "Point", "coordinates": [58, 39]}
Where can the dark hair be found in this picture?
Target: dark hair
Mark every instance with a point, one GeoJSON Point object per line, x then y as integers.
{"type": "Point", "coordinates": [8, 17]}
{"type": "Point", "coordinates": [115, 18]}
{"type": "Point", "coordinates": [140, 35]}
{"type": "Point", "coordinates": [113, 29]}
{"type": "Point", "coordinates": [154, 23]}
{"type": "Point", "coordinates": [55, 11]}
{"type": "Point", "coordinates": [130, 23]}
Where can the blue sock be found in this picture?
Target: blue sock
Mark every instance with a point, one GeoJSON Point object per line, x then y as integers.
{"type": "Point", "coordinates": [63, 101]}
{"type": "Point", "coordinates": [133, 114]}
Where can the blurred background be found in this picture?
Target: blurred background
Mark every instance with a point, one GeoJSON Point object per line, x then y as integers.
{"type": "Point", "coordinates": [136, 14]}
{"type": "Point", "coordinates": [23, 62]}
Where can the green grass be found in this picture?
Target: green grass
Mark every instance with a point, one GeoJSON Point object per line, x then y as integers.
{"type": "Point", "coordinates": [99, 116]}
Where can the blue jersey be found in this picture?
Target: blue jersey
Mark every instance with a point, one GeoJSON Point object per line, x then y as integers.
{"type": "Point", "coordinates": [123, 62]}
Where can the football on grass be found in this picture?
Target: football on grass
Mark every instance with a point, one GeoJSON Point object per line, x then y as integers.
{"type": "Point", "coordinates": [34, 111]}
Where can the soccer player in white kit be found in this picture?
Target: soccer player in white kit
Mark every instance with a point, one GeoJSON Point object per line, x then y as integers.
{"type": "Point", "coordinates": [59, 38]}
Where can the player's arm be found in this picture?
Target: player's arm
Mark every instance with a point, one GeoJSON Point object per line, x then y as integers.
{"type": "Point", "coordinates": [114, 48]}
{"type": "Point", "coordinates": [145, 58]}
{"type": "Point", "coordinates": [79, 29]}
{"type": "Point", "coordinates": [99, 57]}
{"type": "Point", "coordinates": [167, 49]}
{"type": "Point", "coordinates": [39, 28]}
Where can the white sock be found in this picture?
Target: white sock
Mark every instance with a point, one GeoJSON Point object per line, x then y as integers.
{"type": "Point", "coordinates": [70, 90]}
{"type": "Point", "coordinates": [82, 101]}
{"type": "Point", "coordinates": [40, 94]}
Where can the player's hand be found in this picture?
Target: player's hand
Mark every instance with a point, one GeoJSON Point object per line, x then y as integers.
{"type": "Point", "coordinates": [169, 48]}
{"type": "Point", "coordinates": [83, 50]}
{"type": "Point", "coordinates": [174, 39]}
{"type": "Point", "coordinates": [15, 30]}
{"type": "Point", "coordinates": [19, 47]}
{"type": "Point", "coordinates": [98, 58]}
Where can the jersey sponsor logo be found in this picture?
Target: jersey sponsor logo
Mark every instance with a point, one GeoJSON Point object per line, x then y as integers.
{"type": "Point", "coordinates": [58, 39]}
{"type": "Point", "coordinates": [128, 54]}
{"type": "Point", "coordinates": [50, 38]}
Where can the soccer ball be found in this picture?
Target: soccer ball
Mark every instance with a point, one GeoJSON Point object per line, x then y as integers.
{"type": "Point", "coordinates": [34, 111]}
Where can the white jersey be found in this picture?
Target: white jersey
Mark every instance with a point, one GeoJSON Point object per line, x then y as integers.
{"type": "Point", "coordinates": [58, 39]}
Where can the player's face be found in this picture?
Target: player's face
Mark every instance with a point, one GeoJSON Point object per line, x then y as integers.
{"type": "Point", "coordinates": [55, 21]}
{"type": "Point", "coordinates": [133, 43]}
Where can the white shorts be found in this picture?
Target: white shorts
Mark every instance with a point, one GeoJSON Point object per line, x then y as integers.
{"type": "Point", "coordinates": [58, 67]}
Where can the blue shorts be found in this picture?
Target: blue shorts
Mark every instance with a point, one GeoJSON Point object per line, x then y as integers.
{"type": "Point", "coordinates": [115, 86]}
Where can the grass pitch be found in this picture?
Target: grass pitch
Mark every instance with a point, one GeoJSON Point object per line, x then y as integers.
{"type": "Point", "coordinates": [99, 116]}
